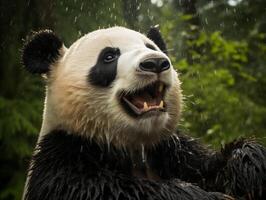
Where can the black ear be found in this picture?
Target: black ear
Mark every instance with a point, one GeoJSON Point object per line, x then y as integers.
{"type": "Point", "coordinates": [40, 51]}
{"type": "Point", "coordinates": [155, 35]}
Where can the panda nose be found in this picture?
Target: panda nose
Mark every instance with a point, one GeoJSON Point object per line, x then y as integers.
{"type": "Point", "coordinates": [155, 65]}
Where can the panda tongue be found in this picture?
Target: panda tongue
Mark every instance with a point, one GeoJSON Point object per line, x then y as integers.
{"type": "Point", "coordinates": [138, 100]}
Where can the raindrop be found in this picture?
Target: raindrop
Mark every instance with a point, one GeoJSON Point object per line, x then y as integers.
{"type": "Point", "coordinates": [211, 4]}
{"type": "Point", "coordinates": [143, 153]}
{"type": "Point", "coordinates": [139, 6]}
{"type": "Point", "coordinates": [159, 3]}
{"type": "Point", "coordinates": [226, 10]}
{"type": "Point", "coordinates": [206, 21]}
{"type": "Point", "coordinates": [233, 2]}
{"type": "Point", "coordinates": [140, 17]}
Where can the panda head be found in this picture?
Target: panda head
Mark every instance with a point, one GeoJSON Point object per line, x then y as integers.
{"type": "Point", "coordinates": [114, 85]}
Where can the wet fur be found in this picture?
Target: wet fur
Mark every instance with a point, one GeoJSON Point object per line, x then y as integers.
{"type": "Point", "coordinates": [70, 166]}
{"type": "Point", "coordinates": [67, 166]}
{"type": "Point", "coordinates": [89, 148]}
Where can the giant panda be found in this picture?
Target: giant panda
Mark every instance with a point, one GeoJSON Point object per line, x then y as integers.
{"type": "Point", "coordinates": [113, 100]}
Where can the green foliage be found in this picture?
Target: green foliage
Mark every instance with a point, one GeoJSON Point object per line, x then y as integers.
{"type": "Point", "coordinates": [19, 126]}
{"type": "Point", "coordinates": [216, 108]}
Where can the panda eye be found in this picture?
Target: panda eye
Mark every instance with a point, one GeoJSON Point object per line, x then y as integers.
{"type": "Point", "coordinates": [109, 57]}
{"type": "Point", "coordinates": [109, 54]}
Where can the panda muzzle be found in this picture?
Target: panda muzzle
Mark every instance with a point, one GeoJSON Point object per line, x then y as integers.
{"type": "Point", "coordinates": [149, 98]}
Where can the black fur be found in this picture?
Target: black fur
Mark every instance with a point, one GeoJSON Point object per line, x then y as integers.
{"type": "Point", "coordinates": [238, 170]}
{"type": "Point", "coordinates": [40, 51]}
{"type": "Point", "coordinates": [245, 172]}
{"type": "Point", "coordinates": [188, 160]}
{"type": "Point", "coordinates": [67, 166]}
{"type": "Point", "coordinates": [103, 73]}
{"type": "Point", "coordinates": [150, 46]}
{"type": "Point", "coordinates": [155, 35]}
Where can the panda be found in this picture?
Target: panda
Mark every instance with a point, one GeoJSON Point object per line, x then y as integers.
{"type": "Point", "coordinates": [113, 100]}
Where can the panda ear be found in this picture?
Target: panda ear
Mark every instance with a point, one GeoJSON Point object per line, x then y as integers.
{"type": "Point", "coordinates": [40, 51]}
{"type": "Point", "coordinates": [155, 35]}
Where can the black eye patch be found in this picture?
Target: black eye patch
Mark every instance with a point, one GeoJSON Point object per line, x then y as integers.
{"type": "Point", "coordinates": [150, 46]}
{"type": "Point", "coordinates": [104, 71]}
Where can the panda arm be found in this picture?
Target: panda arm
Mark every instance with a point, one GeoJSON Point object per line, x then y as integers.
{"type": "Point", "coordinates": [65, 167]}
{"type": "Point", "coordinates": [239, 169]}
{"type": "Point", "coordinates": [186, 158]}
{"type": "Point", "coordinates": [245, 172]}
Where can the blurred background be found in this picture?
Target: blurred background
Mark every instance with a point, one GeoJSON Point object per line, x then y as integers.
{"type": "Point", "coordinates": [218, 47]}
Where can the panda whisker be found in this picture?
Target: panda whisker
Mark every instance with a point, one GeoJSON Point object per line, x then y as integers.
{"type": "Point", "coordinates": [78, 86]}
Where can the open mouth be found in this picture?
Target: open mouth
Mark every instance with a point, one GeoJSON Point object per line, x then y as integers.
{"type": "Point", "coordinates": [147, 99]}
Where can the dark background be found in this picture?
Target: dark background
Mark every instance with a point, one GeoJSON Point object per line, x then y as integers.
{"type": "Point", "coordinates": [218, 47]}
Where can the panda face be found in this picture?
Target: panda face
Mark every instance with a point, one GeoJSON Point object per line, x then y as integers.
{"type": "Point", "coordinates": [114, 85]}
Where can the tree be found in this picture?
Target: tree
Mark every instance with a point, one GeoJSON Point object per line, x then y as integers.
{"type": "Point", "coordinates": [20, 95]}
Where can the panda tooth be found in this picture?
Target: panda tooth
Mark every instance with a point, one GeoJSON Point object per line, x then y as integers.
{"type": "Point", "coordinates": [161, 104]}
{"type": "Point", "coordinates": [145, 106]}
{"type": "Point", "coordinates": [161, 87]}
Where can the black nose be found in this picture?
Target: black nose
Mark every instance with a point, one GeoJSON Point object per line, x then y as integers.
{"type": "Point", "coordinates": [155, 65]}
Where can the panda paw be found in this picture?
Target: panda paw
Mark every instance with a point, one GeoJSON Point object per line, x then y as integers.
{"type": "Point", "coordinates": [246, 170]}
{"type": "Point", "coordinates": [188, 191]}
